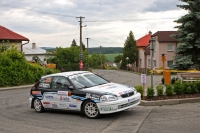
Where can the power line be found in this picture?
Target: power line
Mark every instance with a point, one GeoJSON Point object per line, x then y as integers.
{"type": "Point", "coordinates": [124, 20]}
{"type": "Point", "coordinates": [37, 11]}
{"type": "Point", "coordinates": [105, 42]}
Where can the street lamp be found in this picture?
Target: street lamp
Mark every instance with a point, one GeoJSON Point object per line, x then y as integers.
{"type": "Point", "coordinates": [152, 54]}
{"type": "Point", "coordinates": [127, 62]}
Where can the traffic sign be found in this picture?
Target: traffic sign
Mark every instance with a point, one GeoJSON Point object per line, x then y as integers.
{"type": "Point", "coordinates": [81, 65]}
{"type": "Point", "coordinates": [143, 78]}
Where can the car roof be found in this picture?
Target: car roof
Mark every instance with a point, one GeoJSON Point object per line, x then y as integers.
{"type": "Point", "coordinates": [66, 74]}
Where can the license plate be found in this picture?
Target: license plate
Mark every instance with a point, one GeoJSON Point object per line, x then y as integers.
{"type": "Point", "coordinates": [131, 100]}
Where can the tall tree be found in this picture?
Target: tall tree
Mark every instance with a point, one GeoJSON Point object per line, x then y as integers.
{"type": "Point", "coordinates": [188, 50]}
{"type": "Point", "coordinates": [129, 50]}
{"type": "Point", "coordinates": [74, 43]}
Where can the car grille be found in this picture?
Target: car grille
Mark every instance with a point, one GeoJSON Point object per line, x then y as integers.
{"type": "Point", "coordinates": [127, 95]}
{"type": "Point", "coordinates": [127, 104]}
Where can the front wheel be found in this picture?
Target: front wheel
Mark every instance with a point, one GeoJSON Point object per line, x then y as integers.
{"type": "Point", "coordinates": [38, 106]}
{"type": "Point", "coordinates": [90, 109]}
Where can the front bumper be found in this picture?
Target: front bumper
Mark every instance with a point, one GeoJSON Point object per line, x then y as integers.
{"type": "Point", "coordinates": [119, 105]}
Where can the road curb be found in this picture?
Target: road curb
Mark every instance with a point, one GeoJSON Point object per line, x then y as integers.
{"type": "Point", "coordinates": [16, 87]}
{"type": "Point", "coordinates": [169, 102]}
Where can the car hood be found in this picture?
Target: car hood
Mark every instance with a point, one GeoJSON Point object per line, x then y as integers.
{"type": "Point", "coordinates": [110, 88]}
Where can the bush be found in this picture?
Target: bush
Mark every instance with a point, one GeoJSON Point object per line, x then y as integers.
{"type": "Point", "coordinates": [194, 88]}
{"type": "Point", "coordinates": [16, 70]}
{"type": "Point", "coordinates": [173, 80]}
{"type": "Point", "coordinates": [198, 85]}
{"type": "Point", "coordinates": [178, 87]}
{"type": "Point", "coordinates": [169, 90]}
{"type": "Point", "coordinates": [150, 92]}
{"type": "Point", "coordinates": [139, 89]}
{"type": "Point", "coordinates": [163, 81]}
{"type": "Point", "coordinates": [159, 89]}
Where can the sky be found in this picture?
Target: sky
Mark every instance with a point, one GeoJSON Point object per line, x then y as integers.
{"type": "Point", "coordinates": [55, 23]}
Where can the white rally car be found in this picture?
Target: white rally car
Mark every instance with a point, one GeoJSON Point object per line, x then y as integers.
{"type": "Point", "coordinates": [82, 91]}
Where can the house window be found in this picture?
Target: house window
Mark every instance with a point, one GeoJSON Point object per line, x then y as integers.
{"type": "Point", "coordinates": [170, 63]}
{"type": "Point", "coordinates": [149, 62]}
{"type": "Point", "coordinates": [170, 47]}
{"type": "Point", "coordinates": [140, 62]}
{"type": "Point", "coordinates": [154, 63]}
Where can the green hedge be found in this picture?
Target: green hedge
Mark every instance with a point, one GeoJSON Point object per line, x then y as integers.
{"type": "Point", "coordinates": [16, 70]}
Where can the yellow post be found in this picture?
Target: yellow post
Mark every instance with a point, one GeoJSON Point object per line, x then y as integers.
{"type": "Point", "coordinates": [163, 59]}
{"type": "Point", "coordinates": [167, 75]}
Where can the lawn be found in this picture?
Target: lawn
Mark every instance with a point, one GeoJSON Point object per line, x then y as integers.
{"type": "Point", "coordinates": [111, 57]}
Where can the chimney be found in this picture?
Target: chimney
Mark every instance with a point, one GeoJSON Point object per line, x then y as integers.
{"type": "Point", "coordinates": [150, 33]}
{"type": "Point", "coordinates": [33, 46]}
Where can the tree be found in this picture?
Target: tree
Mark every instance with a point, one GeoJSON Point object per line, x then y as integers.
{"type": "Point", "coordinates": [129, 50]}
{"type": "Point", "coordinates": [118, 58]}
{"type": "Point", "coordinates": [74, 44]}
{"type": "Point", "coordinates": [4, 46]}
{"type": "Point", "coordinates": [83, 46]}
{"type": "Point", "coordinates": [188, 49]}
{"type": "Point", "coordinates": [67, 58]}
{"type": "Point", "coordinates": [95, 60]}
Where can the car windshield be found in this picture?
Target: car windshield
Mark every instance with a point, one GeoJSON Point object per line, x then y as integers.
{"type": "Point", "coordinates": [87, 80]}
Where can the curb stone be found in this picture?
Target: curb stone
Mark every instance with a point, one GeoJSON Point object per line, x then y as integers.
{"type": "Point", "coordinates": [16, 87]}
{"type": "Point", "coordinates": [169, 102]}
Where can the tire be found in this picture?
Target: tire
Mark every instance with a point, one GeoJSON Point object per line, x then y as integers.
{"type": "Point", "coordinates": [38, 106]}
{"type": "Point", "coordinates": [90, 109]}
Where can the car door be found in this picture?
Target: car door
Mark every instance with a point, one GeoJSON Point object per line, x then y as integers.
{"type": "Point", "coordinates": [49, 95]}
{"type": "Point", "coordinates": [64, 99]}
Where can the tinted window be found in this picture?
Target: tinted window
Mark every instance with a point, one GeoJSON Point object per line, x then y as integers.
{"type": "Point", "coordinates": [60, 83]}
{"type": "Point", "coordinates": [87, 80]}
{"type": "Point", "coordinates": [45, 83]}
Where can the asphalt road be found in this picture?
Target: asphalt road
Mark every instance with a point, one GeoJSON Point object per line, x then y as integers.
{"type": "Point", "coordinates": [17, 117]}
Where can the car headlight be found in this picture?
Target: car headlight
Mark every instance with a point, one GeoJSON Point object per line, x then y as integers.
{"type": "Point", "coordinates": [106, 98]}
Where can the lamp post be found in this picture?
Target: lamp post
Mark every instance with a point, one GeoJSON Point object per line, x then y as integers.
{"type": "Point", "coordinates": [127, 63]}
{"type": "Point", "coordinates": [152, 54]}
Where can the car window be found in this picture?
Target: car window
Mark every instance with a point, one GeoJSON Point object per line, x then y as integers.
{"type": "Point", "coordinates": [45, 83]}
{"type": "Point", "coordinates": [87, 80]}
{"type": "Point", "coordinates": [60, 83]}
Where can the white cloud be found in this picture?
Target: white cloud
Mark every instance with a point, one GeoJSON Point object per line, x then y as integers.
{"type": "Point", "coordinates": [54, 23]}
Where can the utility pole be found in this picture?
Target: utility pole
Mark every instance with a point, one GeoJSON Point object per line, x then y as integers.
{"type": "Point", "coordinates": [87, 51]}
{"type": "Point", "coordinates": [100, 56]}
{"type": "Point", "coordinates": [81, 49]}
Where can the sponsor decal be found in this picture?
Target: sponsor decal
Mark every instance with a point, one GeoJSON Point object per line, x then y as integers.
{"type": "Point", "coordinates": [92, 96]}
{"type": "Point", "coordinates": [36, 92]}
{"type": "Point", "coordinates": [106, 108]}
{"type": "Point", "coordinates": [63, 93]}
{"type": "Point", "coordinates": [64, 99]}
{"type": "Point", "coordinates": [131, 100]}
{"type": "Point", "coordinates": [105, 85]}
{"type": "Point", "coordinates": [62, 105]}
{"type": "Point", "coordinates": [78, 97]}
{"type": "Point", "coordinates": [54, 105]}
{"type": "Point", "coordinates": [49, 97]}
{"type": "Point", "coordinates": [78, 100]}
{"type": "Point", "coordinates": [72, 106]}
{"type": "Point", "coordinates": [125, 92]}
{"type": "Point", "coordinates": [46, 103]}
{"type": "Point", "coordinates": [111, 87]}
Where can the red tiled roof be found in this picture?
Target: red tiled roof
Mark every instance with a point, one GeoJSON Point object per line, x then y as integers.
{"type": "Point", "coordinates": [6, 34]}
{"type": "Point", "coordinates": [143, 41]}
{"type": "Point", "coordinates": [165, 36]}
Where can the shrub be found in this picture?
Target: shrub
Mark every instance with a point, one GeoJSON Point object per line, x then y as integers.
{"type": "Point", "coordinates": [150, 92]}
{"type": "Point", "coordinates": [198, 85]}
{"type": "Point", "coordinates": [173, 80]}
{"type": "Point", "coordinates": [178, 87]}
{"type": "Point", "coordinates": [169, 90]}
{"type": "Point", "coordinates": [159, 89]}
{"type": "Point", "coordinates": [139, 89]}
{"type": "Point", "coordinates": [194, 87]}
{"type": "Point", "coordinates": [163, 81]}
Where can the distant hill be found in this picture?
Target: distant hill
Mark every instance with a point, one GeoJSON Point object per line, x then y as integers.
{"type": "Point", "coordinates": [104, 50]}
